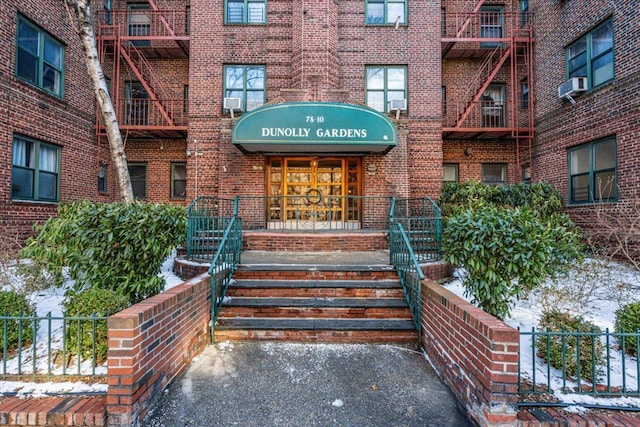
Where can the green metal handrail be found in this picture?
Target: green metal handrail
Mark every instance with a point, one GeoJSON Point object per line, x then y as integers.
{"type": "Point", "coordinates": [406, 263]}
{"type": "Point", "coordinates": [223, 265]}
{"type": "Point", "coordinates": [314, 212]}
{"type": "Point", "coordinates": [595, 369]}
{"type": "Point", "coordinates": [207, 218]}
{"type": "Point", "coordinates": [422, 222]}
{"type": "Point", "coordinates": [40, 346]}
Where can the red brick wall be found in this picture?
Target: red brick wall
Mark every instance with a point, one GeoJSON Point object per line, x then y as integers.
{"type": "Point", "coordinates": [279, 241]}
{"type": "Point", "coordinates": [475, 354]}
{"type": "Point", "coordinates": [31, 112]}
{"type": "Point", "coordinates": [610, 109]}
{"type": "Point", "coordinates": [151, 343]}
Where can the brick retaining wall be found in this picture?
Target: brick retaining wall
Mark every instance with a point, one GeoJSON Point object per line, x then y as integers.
{"type": "Point", "coordinates": [151, 343]}
{"type": "Point", "coordinates": [474, 353]}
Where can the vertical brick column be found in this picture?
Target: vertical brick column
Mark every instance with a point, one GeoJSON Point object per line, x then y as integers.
{"type": "Point", "coordinates": [151, 343]}
{"type": "Point", "coordinates": [475, 353]}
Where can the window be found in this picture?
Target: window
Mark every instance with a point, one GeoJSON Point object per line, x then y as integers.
{"type": "Point", "coordinates": [386, 11]}
{"type": "Point", "coordinates": [245, 82]}
{"type": "Point", "coordinates": [185, 107]}
{"type": "Point", "coordinates": [139, 23]}
{"type": "Point", "coordinates": [178, 180]}
{"type": "Point", "coordinates": [137, 104]}
{"type": "Point", "coordinates": [450, 172]}
{"type": "Point", "coordinates": [524, 13]}
{"type": "Point", "coordinates": [39, 58]}
{"type": "Point", "coordinates": [592, 172]}
{"type": "Point", "coordinates": [138, 175]}
{"type": "Point", "coordinates": [526, 174]}
{"type": "Point", "coordinates": [384, 84]}
{"type": "Point", "coordinates": [491, 25]}
{"type": "Point", "coordinates": [524, 94]}
{"type": "Point", "coordinates": [443, 95]}
{"type": "Point", "coordinates": [493, 114]}
{"type": "Point", "coordinates": [187, 20]}
{"type": "Point", "coordinates": [106, 5]}
{"type": "Point", "coordinates": [35, 174]}
{"type": "Point", "coordinates": [245, 11]}
{"type": "Point", "coordinates": [494, 173]}
{"type": "Point", "coordinates": [102, 178]}
{"type": "Point", "coordinates": [591, 56]}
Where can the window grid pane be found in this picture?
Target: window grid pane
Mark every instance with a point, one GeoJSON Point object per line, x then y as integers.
{"type": "Point", "coordinates": [247, 83]}
{"type": "Point", "coordinates": [35, 170]}
{"type": "Point", "coordinates": [246, 11]}
{"type": "Point", "coordinates": [39, 58]}
{"type": "Point", "coordinates": [592, 172]}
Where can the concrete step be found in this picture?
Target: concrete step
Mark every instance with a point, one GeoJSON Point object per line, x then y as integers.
{"type": "Point", "coordinates": [354, 303]}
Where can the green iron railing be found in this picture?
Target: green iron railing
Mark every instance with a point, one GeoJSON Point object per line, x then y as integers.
{"type": "Point", "coordinates": [626, 369]}
{"type": "Point", "coordinates": [36, 346]}
{"type": "Point", "coordinates": [223, 264]}
{"type": "Point", "coordinates": [422, 222]}
{"type": "Point", "coordinates": [314, 212]}
{"type": "Point", "coordinates": [406, 263]}
{"type": "Point", "coordinates": [207, 218]}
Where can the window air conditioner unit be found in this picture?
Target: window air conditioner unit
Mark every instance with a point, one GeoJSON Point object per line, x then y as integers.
{"type": "Point", "coordinates": [571, 86]}
{"type": "Point", "coordinates": [398, 104]}
{"type": "Point", "coordinates": [232, 104]}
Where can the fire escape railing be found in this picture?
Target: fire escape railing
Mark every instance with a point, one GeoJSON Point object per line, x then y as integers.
{"type": "Point", "coordinates": [129, 37]}
{"type": "Point", "coordinates": [499, 39]}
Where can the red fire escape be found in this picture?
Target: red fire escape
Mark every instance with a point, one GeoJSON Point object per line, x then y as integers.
{"type": "Point", "coordinates": [497, 101]}
{"type": "Point", "coordinates": [130, 44]}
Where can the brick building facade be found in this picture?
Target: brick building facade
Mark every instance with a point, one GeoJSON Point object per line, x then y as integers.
{"type": "Point", "coordinates": [468, 94]}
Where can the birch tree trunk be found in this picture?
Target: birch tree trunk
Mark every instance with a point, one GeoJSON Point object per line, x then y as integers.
{"type": "Point", "coordinates": [82, 22]}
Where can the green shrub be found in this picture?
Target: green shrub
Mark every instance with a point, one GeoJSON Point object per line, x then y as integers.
{"type": "Point", "coordinates": [539, 196]}
{"type": "Point", "coordinates": [114, 246]}
{"type": "Point", "coordinates": [14, 304]}
{"type": "Point", "coordinates": [507, 252]}
{"type": "Point", "coordinates": [556, 348]}
{"type": "Point", "coordinates": [628, 320]}
{"type": "Point", "coordinates": [91, 302]}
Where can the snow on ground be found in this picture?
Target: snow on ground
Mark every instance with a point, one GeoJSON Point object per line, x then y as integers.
{"type": "Point", "coordinates": [593, 290]}
{"type": "Point", "coordinates": [604, 286]}
{"type": "Point", "coordinates": [49, 302]}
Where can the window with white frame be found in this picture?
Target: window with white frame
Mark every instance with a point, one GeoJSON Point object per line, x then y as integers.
{"type": "Point", "coordinates": [593, 172]}
{"type": "Point", "coordinates": [39, 58]}
{"type": "Point", "coordinates": [35, 172]}
{"type": "Point", "coordinates": [384, 84]}
{"type": "Point", "coordinates": [386, 11]}
{"type": "Point", "coordinates": [494, 173]}
{"type": "Point", "coordinates": [246, 82]}
{"type": "Point", "coordinates": [591, 56]}
{"type": "Point", "coordinates": [245, 11]}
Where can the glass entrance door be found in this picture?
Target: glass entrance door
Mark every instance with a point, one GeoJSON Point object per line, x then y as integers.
{"type": "Point", "coordinates": [312, 192]}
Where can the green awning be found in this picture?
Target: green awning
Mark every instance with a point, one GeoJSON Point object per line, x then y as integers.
{"type": "Point", "coordinates": [314, 127]}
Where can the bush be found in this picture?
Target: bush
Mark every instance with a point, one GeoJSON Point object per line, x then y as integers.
{"type": "Point", "coordinates": [539, 196]}
{"type": "Point", "coordinates": [114, 246]}
{"type": "Point", "coordinates": [91, 302]}
{"type": "Point", "coordinates": [14, 304]}
{"type": "Point", "coordinates": [628, 320]}
{"type": "Point", "coordinates": [553, 347]}
{"type": "Point", "coordinates": [507, 252]}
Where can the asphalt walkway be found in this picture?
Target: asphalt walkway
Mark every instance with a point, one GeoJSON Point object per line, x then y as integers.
{"type": "Point", "coordinates": [290, 384]}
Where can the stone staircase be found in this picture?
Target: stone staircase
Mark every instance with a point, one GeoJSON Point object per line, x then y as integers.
{"type": "Point", "coordinates": [316, 303]}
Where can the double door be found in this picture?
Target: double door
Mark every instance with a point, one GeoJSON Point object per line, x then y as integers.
{"type": "Point", "coordinates": [313, 190]}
